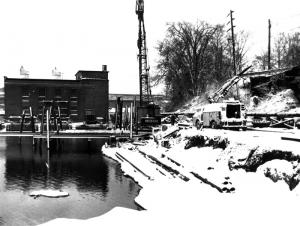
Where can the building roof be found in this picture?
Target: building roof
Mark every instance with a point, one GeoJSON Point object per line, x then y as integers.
{"type": "Point", "coordinates": [81, 74]}
{"type": "Point", "coordinates": [131, 97]}
{"type": "Point", "coordinates": [46, 82]}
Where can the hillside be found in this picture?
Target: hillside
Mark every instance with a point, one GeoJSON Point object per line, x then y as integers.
{"type": "Point", "coordinates": [269, 92]}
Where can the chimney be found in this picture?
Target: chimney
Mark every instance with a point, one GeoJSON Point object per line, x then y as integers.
{"type": "Point", "coordinates": [104, 67]}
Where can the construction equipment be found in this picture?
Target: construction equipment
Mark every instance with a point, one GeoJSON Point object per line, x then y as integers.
{"type": "Point", "coordinates": [227, 86]}
{"type": "Point", "coordinates": [148, 114]}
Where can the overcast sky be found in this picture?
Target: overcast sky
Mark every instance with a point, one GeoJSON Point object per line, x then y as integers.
{"type": "Point", "coordinates": [77, 35]}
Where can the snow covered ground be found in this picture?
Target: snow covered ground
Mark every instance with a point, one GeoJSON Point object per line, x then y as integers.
{"type": "Point", "coordinates": [209, 177]}
{"type": "Point", "coordinates": [212, 177]}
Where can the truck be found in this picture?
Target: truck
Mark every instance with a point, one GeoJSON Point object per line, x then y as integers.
{"type": "Point", "coordinates": [228, 114]}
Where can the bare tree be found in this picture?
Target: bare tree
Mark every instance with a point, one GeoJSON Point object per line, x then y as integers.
{"type": "Point", "coordinates": [286, 52]}
{"type": "Point", "coordinates": [192, 56]}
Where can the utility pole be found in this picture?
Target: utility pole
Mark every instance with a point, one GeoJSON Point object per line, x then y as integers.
{"type": "Point", "coordinates": [233, 49]}
{"type": "Point", "coordinates": [269, 45]}
{"type": "Point", "coordinates": [233, 42]}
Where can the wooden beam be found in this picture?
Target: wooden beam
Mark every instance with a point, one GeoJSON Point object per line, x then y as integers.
{"type": "Point", "coordinates": [282, 123]}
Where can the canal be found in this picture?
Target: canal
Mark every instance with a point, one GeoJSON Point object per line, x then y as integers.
{"type": "Point", "coordinates": [95, 183]}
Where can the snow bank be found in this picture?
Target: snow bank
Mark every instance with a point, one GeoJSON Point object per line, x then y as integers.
{"type": "Point", "coordinates": [280, 170]}
{"type": "Point", "coordinates": [274, 103]}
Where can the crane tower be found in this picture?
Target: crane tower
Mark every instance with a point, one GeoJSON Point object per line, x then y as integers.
{"type": "Point", "coordinates": [148, 113]}
{"type": "Point", "coordinates": [145, 92]}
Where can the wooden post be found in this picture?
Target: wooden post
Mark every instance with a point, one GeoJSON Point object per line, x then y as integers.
{"type": "Point", "coordinates": [32, 120]}
{"type": "Point", "coordinates": [135, 116]}
{"type": "Point", "coordinates": [54, 120]}
{"type": "Point", "coordinates": [233, 43]}
{"type": "Point", "coordinates": [131, 108]}
{"type": "Point", "coordinates": [116, 114]}
{"type": "Point", "coordinates": [48, 132]}
{"type": "Point", "coordinates": [134, 109]}
{"type": "Point", "coordinates": [269, 45]}
{"type": "Point", "coordinates": [22, 121]}
{"type": "Point", "coordinates": [43, 118]}
{"type": "Point", "coordinates": [126, 118]}
{"type": "Point", "coordinates": [233, 50]}
{"type": "Point", "coordinates": [59, 118]}
{"type": "Point", "coordinates": [48, 162]}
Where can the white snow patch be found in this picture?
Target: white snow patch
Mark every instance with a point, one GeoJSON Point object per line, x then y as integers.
{"type": "Point", "coordinates": [273, 103]}
{"type": "Point", "coordinates": [49, 193]}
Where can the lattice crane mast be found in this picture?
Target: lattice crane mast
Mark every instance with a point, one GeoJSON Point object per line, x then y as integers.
{"type": "Point", "coordinates": [145, 92]}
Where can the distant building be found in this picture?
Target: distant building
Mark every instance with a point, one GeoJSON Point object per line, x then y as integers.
{"type": "Point", "coordinates": [88, 94]}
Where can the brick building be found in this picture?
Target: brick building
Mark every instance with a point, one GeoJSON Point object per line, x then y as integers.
{"type": "Point", "coordinates": [87, 94]}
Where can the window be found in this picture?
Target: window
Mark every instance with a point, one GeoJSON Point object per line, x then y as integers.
{"type": "Point", "coordinates": [25, 91]}
{"type": "Point", "coordinates": [74, 92]}
{"type": "Point", "coordinates": [233, 111]}
{"type": "Point", "coordinates": [42, 92]}
{"type": "Point", "coordinates": [58, 92]}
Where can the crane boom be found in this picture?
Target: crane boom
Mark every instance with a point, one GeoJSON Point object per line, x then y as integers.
{"type": "Point", "coordinates": [145, 92]}
{"type": "Point", "coordinates": [220, 93]}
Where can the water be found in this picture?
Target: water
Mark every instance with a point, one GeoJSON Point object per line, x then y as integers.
{"type": "Point", "coordinates": [94, 182]}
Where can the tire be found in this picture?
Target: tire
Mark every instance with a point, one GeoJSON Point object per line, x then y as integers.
{"type": "Point", "coordinates": [213, 125]}
{"type": "Point", "coordinates": [198, 124]}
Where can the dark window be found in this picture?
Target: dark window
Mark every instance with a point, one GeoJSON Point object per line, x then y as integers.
{"type": "Point", "coordinates": [42, 92]}
{"type": "Point", "coordinates": [58, 92]}
{"type": "Point", "coordinates": [74, 92]}
{"type": "Point", "coordinates": [25, 91]}
{"type": "Point", "coordinates": [233, 111]}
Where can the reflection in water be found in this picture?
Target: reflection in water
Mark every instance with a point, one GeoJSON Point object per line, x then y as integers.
{"type": "Point", "coordinates": [77, 164]}
{"type": "Point", "coordinates": [95, 183]}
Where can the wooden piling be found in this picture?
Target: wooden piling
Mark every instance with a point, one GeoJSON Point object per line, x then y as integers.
{"type": "Point", "coordinates": [59, 118]}
{"type": "Point", "coordinates": [32, 120]}
{"type": "Point", "coordinates": [48, 161]}
{"type": "Point", "coordinates": [22, 121]}
{"type": "Point", "coordinates": [48, 132]}
{"type": "Point", "coordinates": [43, 118]}
{"type": "Point", "coordinates": [131, 120]}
